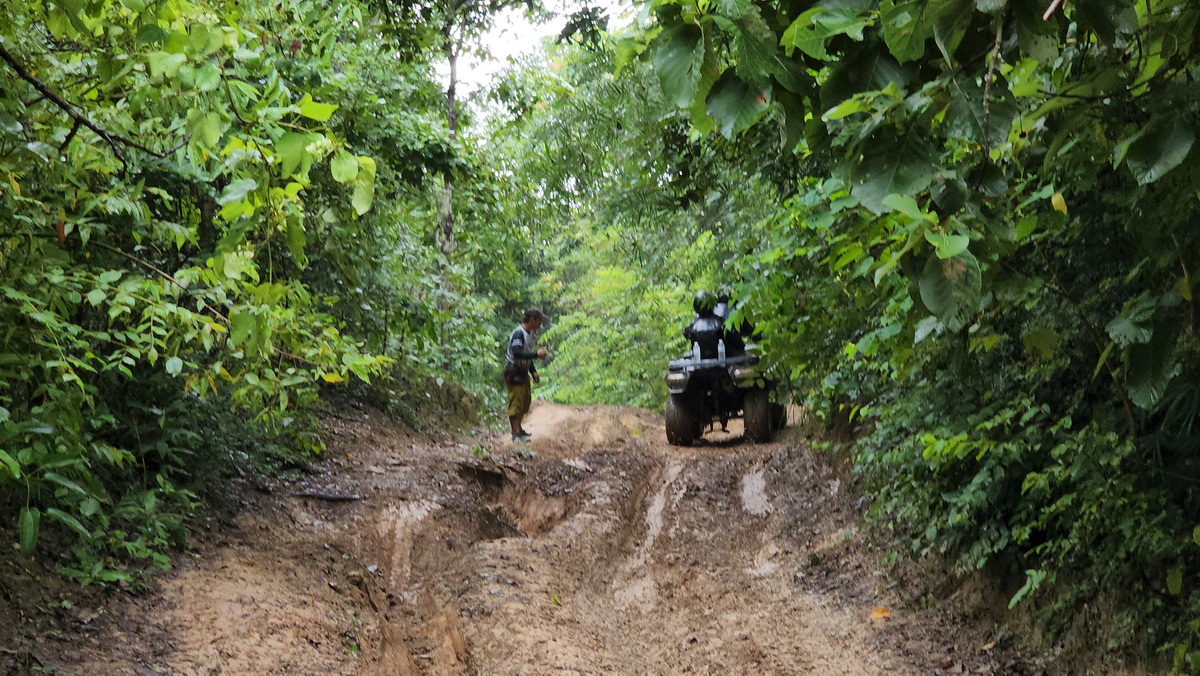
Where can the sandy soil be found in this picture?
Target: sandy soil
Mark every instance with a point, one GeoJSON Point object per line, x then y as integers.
{"type": "Point", "coordinates": [597, 549]}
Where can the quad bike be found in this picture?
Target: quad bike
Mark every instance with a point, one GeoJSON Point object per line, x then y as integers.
{"type": "Point", "coordinates": [708, 386]}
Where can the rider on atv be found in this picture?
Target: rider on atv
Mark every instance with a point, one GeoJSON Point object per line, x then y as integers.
{"type": "Point", "coordinates": [708, 331]}
{"type": "Point", "coordinates": [708, 328]}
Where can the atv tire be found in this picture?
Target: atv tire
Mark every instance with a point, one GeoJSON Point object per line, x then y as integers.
{"type": "Point", "coordinates": [758, 416]}
{"type": "Point", "coordinates": [682, 422]}
{"type": "Point", "coordinates": [778, 416]}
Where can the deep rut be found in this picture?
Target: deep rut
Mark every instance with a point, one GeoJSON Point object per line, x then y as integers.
{"type": "Point", "coordinates": [625, 557]}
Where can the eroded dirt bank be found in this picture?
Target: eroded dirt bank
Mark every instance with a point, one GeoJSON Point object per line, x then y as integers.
{"type": "Point", "coordinates": [606, 551]}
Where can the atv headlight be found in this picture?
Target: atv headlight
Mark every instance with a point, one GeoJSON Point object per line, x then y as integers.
{"type": "Point", "coordinates": [676, 379]}
{"type": "Point", "coordinates": [742, 373]}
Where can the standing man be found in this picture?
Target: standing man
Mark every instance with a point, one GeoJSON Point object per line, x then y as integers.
{"type": "Point", "coordinates": [519, 368]}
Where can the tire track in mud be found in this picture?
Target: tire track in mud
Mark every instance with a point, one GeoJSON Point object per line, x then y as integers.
{"type": "Point", "coordinates": [654, 516]}
{"type": "Point", "coordinates": [656, 561]}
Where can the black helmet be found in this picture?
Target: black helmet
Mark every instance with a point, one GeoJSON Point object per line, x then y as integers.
{"type": "Point", "coordinates": [704, 303]}
{"type": "Point", "coordinates": [723, 293]}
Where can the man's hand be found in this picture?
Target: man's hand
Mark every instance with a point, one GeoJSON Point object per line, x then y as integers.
{"type": "Point", "coordinates": [541, 353]}
{"type": "Point", "coordinates": [536, 378]}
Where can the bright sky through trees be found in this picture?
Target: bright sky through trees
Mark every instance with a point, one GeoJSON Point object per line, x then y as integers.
{"type": "Point", "coordinates": [514, 35]}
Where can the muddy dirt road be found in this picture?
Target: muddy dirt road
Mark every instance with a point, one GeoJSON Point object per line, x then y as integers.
{"type": "Point", "coordinates": [597, 549]}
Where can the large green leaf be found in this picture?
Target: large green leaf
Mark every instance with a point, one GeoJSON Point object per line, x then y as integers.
{"type": "Point", "coordinates": [1175, 581]}
{"type": "Point", "coordinates": [734, 105]}
{"type": "Point", "coordinates": [892, 166]}
{"type": "Point", "coordinates": [792, 108]}
{"type": "Point", "coordinates": [364, 193]}
{"type": "Point", "coordinates": [241, 326]}
{"type": "Point", "coordinates": [1152, 365]}
{"type": "Point", "coordinates": [208, 77]}
{"type": "Point", "coordinates": [710, 69]}
{"type": "Point", "coordinates": [10, 463]}
{"type": "Point", "coordinates": [792, 74]}
{"type": "Point", "coordinates": [164, 64]}
{"type": "Point", "coordinates": [947, 245]}
{"type": "Point", "coordinates": [237, 190]}
{"type": "Point", "coordinates": [10, 124]}
{"type": "Point", "coordinates": [206, 129]}
{"type": "Point", "coordinates": [70, 522]}
{"type": "Point", "coordinates": [1160, 147]}
{"type": "Point", "coordinates": [290, 148]}
{"type": "Point", "coordinates": [150, 34]}
{"type": "Point", "coordinates": [869, 67]}
{"type": "Point", "coordinates": [344, 167]}
{"type": "Point", "coordinates": [1134, 324]}
{"type": "Point", "coordinates": [907, 24]}
{"type": "Point", "coordinates": [1041, 343]}
{"type": "Point", "coordinates": [811, 31]}
{"type": "Point", "coordinates": [951, 288]}
{"type": "Point", "coordinates": [296, 239]}
{"type": "Point", "coordinates": [29, 522]}
{"type": "Point", "coordinates": [733, 9]}
{"type": "Point", "coordinates": [969, 115]}
{"type": "Point", "coordinates": [908, 206]}
{"type": "Point", "coordinates": [66, 483]}
{"type": "Point", "coordinates": [678, 59]}
{"type": "Point", "coordinates": [1038, 39]}
{"type": "Point", "coordinates": [950, 26]}
{"type": "Point", "coordinates": [320, 112]}
{"type": "Point", "coordinates": [756, 49]}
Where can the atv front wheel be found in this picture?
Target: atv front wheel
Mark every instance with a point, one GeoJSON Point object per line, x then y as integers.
{"type": "Point", "coordinates": [757, 415]}
{"type": "Point", "coordinates": [682, 423]}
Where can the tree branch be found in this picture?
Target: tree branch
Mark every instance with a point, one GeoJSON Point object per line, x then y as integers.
{"type": "Point", "coordinates": [1050, 10]}
{"type": "Point", "coordinates": [61, 103]}
{"type": "Point", "coordinates": [114, 141]}
{"type": "Point", "coordinates": [70, 135]}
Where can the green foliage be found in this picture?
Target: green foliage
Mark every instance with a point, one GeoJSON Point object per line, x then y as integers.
{"type": "Point", "coordinates": [966, 229]}
{"type": "Point", "coordinates": [988, 270]}
{"type": "Point", "coordinates": [617, 216]}
{"type": "Point", "coordinates": [187, 189]}
{"type": "Point", "coordinates": [610, 345]}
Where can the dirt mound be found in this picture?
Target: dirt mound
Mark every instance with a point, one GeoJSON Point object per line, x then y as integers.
{"type": "Point", "coordinates": [596, 549]}
{"type": "Point", "coordinates": [567, 431]}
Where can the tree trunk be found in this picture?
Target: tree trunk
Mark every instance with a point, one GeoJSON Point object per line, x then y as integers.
{"type": "Point", "coordinates": [446, 240]}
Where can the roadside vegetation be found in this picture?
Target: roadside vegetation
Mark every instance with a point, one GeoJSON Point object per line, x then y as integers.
{"type": "Point", "coordinates": [965, 229]}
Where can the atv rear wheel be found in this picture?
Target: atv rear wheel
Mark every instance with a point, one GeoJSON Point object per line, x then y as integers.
{"type": "Point", "coordinates": [682, 422]}
{"type": "Point", "coordinates": [778, 416]}
{"type": "Point", "coordinates": [758, 416]}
